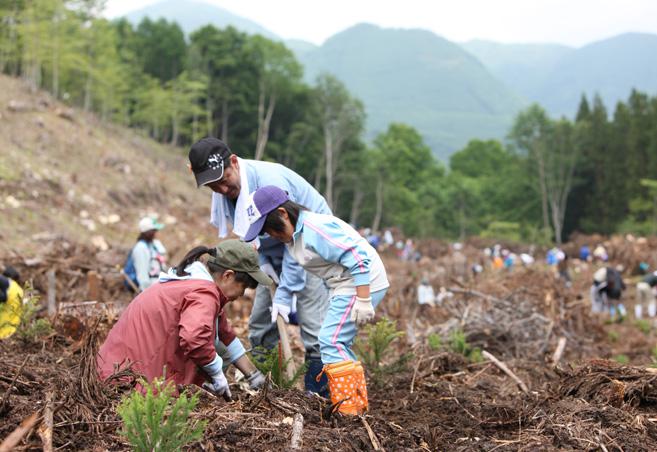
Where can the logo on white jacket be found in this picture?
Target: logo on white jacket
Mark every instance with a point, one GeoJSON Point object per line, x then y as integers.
{"type": "Point", "coordinates": [252, 212]}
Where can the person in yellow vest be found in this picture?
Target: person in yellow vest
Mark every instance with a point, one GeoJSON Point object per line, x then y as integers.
{"type": "Point", "coordinates": [11, 302]}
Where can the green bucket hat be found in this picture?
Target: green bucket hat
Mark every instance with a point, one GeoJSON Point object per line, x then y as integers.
{"type": "Point", "coordinates": [240, 257]}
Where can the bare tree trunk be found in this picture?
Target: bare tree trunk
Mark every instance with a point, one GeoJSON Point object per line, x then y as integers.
{"type": "Point", "coordinates": [328, 165]}
{"type": "Point", "coordinates": [541, 182]}
{"type": "Point", "coordinates": [355, 206]}
{"type": "Point", "coordinates": [209, 126]}
{"type": "Point", "coordinates": [318, 175]}
{"type": "Point", "coordinates": [462, 228]}
{"type": "Point", "coordinates": [379, 204]}
{"type": "Point", "coordinates": [264, 120]}
{"type": "Point", "coordinates": [194, 126]}
{"type": "Point", "coordinates": [87, 92]}
{"type": "Point", "coordinates": [55, 57]}
{"type": "Point", "coordinates": [174, 121]}
{"type": "Point", "coordinates": [225, 116]}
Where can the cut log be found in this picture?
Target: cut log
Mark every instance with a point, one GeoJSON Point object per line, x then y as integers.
{"type": "Point", "coordinates": [297, 432]}
{"type": "Point", "coordinates": [45, 429]}
{"type": "Point", "coordinates": [93, 286]}
{"type": "Point", "coordinates": [561, 346]}
{"type": "Point", "coordinates": [52, 293]}
{"type": "Point", "coordinates": [373, 439]}
{"type": "Point", "coordinates": [19, 432]}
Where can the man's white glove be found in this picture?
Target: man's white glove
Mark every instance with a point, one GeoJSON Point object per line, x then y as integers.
{"type": "Point", "coordinates": [363, 311]}
{"type": "Point", "coordinates": [282, 309]}
{"type": "Point", "coordinates": [256, 380]}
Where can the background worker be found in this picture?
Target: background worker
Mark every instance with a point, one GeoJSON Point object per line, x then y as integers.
{"type": "Point", "coordinates": [148, 257]}
{"type": "Point", "coordinates": [645, 296]}
{"type": "Point", "coordinates": [352, 269]}
{"type": "Point", "coordinates": [174, 328]}
{"type": "Point", "coordinates": [232, 180]}
{"type": "Point", "coordinates": [606, 292]}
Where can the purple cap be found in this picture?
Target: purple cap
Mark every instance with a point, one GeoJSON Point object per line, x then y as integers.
{"type": "Point", "coordinates": [262, 201]}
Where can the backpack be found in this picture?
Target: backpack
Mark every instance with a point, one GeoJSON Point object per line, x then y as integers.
{"type": "Point", "coordinates": [131, 272]}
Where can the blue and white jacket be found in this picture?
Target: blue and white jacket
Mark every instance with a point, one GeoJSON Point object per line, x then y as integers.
{"type": "Point", "coordinates": [329, 248]}
{"type": "Point", "coordinates": [259, 174]}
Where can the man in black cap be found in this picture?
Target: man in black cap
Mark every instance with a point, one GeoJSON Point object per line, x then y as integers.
{"type": "Point", "coordinates": [232, 180]}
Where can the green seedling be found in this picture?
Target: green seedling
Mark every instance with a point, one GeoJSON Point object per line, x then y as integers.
{"type": "Point", "coordinates": [621, 359]}
{"type": "Point", "coordinates": [31, 327]}
{"type": "Point", "coordinates": [613, 336]}
{"type": "Point", "coordinates": [435, 342]}
{"type": "Point", "coordinates": [271, 362]}
{"type": "Point", "coordinates": [644, 326]}
{"type": "Point", "coordinates": [376, 349]}
{"type": "Point", "coordinates": [157, 420]}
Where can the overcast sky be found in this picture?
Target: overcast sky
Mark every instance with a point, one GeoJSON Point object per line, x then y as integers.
{"type": "Point", "coordinates": [572, 22]}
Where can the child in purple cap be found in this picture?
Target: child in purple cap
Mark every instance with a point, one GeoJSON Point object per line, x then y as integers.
{"type": "Point", "coordinates": [328, 247]}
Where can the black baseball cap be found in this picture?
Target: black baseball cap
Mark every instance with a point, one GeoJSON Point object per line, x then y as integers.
{"type": "Point", "coordinates": [208, 158]}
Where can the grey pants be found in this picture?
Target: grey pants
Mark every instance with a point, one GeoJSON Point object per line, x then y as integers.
{"type": "Point", "coordinates": [312, 304]}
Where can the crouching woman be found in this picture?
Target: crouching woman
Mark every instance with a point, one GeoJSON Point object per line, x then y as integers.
{"type": "Point", "coordinates": [329, 248]}
{"type": "Point", "coordinates": [174, 328]}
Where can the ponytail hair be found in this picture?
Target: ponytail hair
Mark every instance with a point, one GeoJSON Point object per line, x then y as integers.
{"type": "Point", "coordinates": [192, 256]}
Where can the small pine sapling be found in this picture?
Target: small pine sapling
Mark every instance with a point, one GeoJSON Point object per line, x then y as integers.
{"type": "Point", "coordinates": [458, 343]}
{"type": "Point", "coordinates": [271, 362]}
{"type": "Point", "coordinates": [32, 328]}
{"type": "Point", "coordinates": [435, 342]}
{"type": "Point", "coordinates": [375, 349]}
{"type": "Point", "coordinates": [157, 420]}
{"type": "Point", "coordinates": [643, 325]}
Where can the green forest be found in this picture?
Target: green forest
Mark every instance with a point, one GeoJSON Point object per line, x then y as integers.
{"type": "Point", "coordinates": [594, 173]}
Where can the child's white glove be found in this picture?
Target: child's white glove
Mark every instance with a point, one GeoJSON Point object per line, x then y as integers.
{"type": "Point", "coordinates": [282, 309]}
{"type": "Point", "coordinates": [363, 311]}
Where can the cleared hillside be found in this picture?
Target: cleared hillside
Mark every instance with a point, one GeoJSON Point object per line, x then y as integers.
{"type": "Point", "coordinates": [64, 175]}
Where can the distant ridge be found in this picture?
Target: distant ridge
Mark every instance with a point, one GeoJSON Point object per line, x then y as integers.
{"type": "Point", "coordinates": [192, 15]}
{"type": "Point", "coordinates": [419, 78]}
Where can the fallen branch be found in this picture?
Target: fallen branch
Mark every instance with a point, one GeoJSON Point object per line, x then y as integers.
{"type": "Point", "coordinates": [373, 439]}
{"type": "Point", "coordinates": [417, 366]}
{"type": "Point", "coordinates": [561, 346]}
{"type": "Point", "coordinates": [5, 399]}
{"type": "Point", "coordinates": [17, 435]}
{"type": "Point", "coordinates": [46, 427]}
{"type": "Point", "coordinates": [506, 370]}
{"type": "Point", "coordinates": [297, 432]}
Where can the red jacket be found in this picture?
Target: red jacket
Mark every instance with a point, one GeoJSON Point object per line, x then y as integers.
{"type": "Point", "coordinates": [170, 324]}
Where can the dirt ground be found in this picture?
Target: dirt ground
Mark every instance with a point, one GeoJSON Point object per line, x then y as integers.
{"type": "Point", "coordinates": [440, 401]}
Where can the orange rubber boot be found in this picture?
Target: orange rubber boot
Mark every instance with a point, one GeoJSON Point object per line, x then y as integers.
{"type": "Point", "coordinates": [347, 385]}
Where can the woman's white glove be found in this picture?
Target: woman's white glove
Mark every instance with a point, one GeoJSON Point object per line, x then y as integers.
{"type": "Point", "coordinates": [219, 384]}
{"type": "Point", "coordinates": [362, 311]}
{"type": "Point", "coordinates": [256, 380]}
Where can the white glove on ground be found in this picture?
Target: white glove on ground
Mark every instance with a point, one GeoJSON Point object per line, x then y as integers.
{"type": "Point", "coordinates": [282, 309]}
{"type": "Point", "coordinates": [363, 311]}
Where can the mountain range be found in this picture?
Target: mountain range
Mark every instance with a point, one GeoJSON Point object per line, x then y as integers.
{"type": "Point", "coordinates": [451, 92]}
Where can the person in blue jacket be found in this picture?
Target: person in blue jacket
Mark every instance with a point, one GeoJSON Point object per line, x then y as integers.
{"type": "Point", "coordinates": [329, 248]}
{"type": "Point", "coordinates": [232, 180]}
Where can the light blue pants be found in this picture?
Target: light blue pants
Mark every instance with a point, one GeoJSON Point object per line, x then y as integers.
{"type": "Point", "coordinates": [338, 331]}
